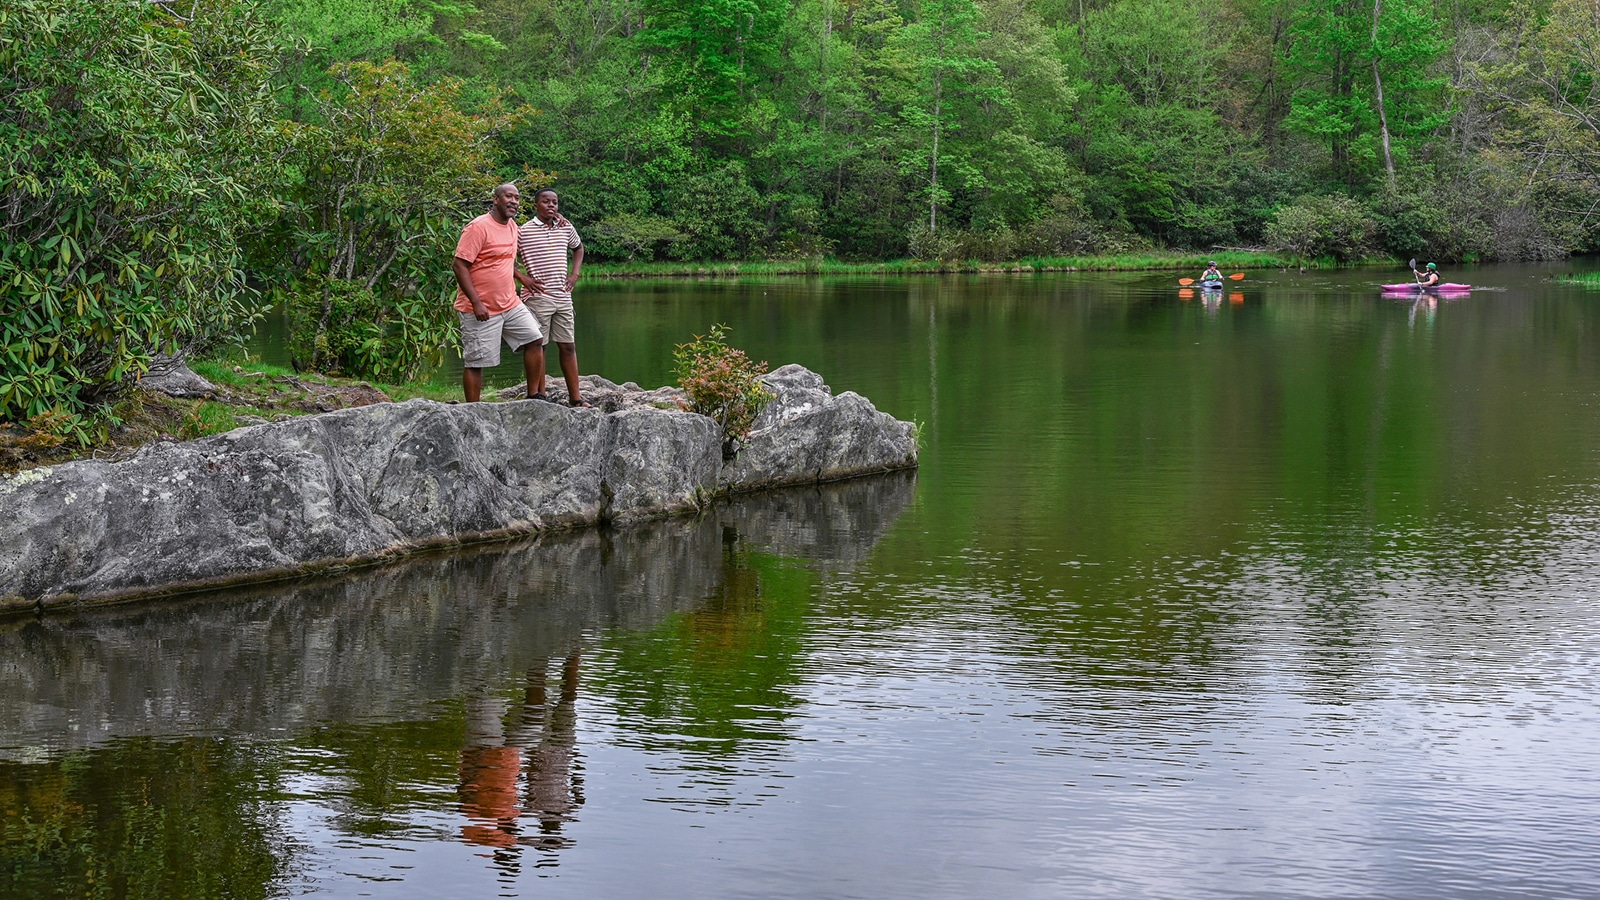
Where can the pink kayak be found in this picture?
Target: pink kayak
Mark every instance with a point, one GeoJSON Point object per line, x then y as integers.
{"type": "Point", "coordinates": [1447, 286]}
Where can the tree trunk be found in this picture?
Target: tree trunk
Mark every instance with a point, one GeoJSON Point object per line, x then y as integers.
{"type": "Point", "coordinates": [1342, 89]}
{"type": "Point", "coordinates": [822, 59]}
{"type": "Point", "coordinates": [1377, 83]}
{"type": "Point", "coordinates": [933, 171]}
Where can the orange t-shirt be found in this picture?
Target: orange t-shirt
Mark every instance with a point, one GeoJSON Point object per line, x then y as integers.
{"type": "Point", "coordinates": [492, 250]}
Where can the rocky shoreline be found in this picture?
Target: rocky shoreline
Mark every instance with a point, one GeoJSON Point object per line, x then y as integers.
{"type": "Point", "coordinates": [395, 641]}
{"type": "Point", "coordinates": [368, 484]}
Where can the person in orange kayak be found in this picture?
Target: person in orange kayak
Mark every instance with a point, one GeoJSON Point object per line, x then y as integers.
{"type": "Point", "coordinates": [1212, 273]}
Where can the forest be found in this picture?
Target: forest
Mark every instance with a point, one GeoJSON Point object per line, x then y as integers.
{"type": "Point", "coordinates": [174, 167]}
{"type": "Point", "coordinates": [714, 129]}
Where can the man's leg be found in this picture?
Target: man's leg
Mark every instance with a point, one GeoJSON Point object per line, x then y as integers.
{"type": "Point", "coordinates": [568, 351]}
{"type": "Point", "coordinates": [480, 349]}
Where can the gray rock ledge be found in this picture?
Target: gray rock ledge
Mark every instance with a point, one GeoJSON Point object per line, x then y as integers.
{"type": "Point", "coordinates": [362, 485]}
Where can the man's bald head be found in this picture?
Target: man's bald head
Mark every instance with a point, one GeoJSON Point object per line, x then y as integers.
{"type": "Point", "coordinates": [507, 202]}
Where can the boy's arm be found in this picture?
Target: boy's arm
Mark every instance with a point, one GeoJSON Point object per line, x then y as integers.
{"type": "Point", "coordinates": [577, 266]}
{"type": "Point", "coordinates": [521, 274]}
{"type": "Point", "coordinates": [523, 278]}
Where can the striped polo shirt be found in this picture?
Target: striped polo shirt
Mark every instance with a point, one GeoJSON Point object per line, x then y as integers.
{"type": "Point", "coordinates": [544, 250]}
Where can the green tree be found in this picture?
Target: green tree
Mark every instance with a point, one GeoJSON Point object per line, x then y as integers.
{"type": "Point", "coordinates": [715, 53]}
{"type": "Point", "coordinates": [140, 148]}
{"type": "Point", "coordinates": [1369, 88]}
{"type": "Point", "coordinates": [1159, 153]}
{"type": "Point", "coordinates": [1541, 83]}
{"type": "Point", "coordinates": [940, 49]}
{"type": "Point", "coordinates": [390, 175]}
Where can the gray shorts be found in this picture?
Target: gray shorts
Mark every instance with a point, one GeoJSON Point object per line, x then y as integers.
{"type": "Point", "coordinates": [555, 318]}
{"type": "Point", "coordinates": [480, 341]}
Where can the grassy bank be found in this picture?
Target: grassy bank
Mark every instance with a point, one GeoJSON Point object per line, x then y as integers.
{"type": "Point", "coordinates": [248, 393]}
{"type": "Point", "coordinates": [1583, 279]}
{"type": "Point", "coordinates": [1128, 262]}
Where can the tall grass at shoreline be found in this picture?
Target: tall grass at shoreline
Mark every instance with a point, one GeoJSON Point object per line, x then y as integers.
{"type": "Point", "coordinates": [1582, 279]}
{"type": "Point", "coordinates": [1130, 262]}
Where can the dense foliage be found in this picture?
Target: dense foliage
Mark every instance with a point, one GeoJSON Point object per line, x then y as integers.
{"type": "Point", "coordinates": [162, 157]}
{"type": "Point", "coordinates": [698, 129]}
{"type": "Point", "coordinates": [138, 148]}
{"type": "Point", "coordinates": [385, 179]}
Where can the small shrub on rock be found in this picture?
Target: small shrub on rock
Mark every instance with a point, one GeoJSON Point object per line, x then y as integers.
{"type": "Point", "coordinates": [722, 383]}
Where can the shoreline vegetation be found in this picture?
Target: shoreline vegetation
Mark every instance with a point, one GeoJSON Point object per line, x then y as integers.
{"type": "Point", "coordinates": [250, 392]}
{"type": "Point", "coordinates": [1153, 261]}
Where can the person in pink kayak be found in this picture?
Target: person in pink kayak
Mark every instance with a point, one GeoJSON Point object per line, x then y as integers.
{"type": "Point", "coordinates": [1428, 276]}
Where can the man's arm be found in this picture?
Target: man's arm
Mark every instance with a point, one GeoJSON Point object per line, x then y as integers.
{"type": "Point", "coordinates": [577, 266]}
{"type": "Point", "coordinates": [463, 270]}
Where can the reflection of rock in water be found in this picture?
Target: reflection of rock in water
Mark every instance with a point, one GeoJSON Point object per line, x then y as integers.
{"type": "Point", "coordinates": [386, 643]}
{"type": "Point", "coordinates": [830, 525]}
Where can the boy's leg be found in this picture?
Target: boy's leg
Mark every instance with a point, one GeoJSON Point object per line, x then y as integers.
{"type": "Point", "coordinates": [472, 383]}
{"type": "Point", "coordinates": [568, 352]}
{"type": "Point", "coordinates": [533, 367]}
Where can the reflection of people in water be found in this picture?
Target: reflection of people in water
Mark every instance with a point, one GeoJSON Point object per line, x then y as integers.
{"type": "Point", "coordinates": [542, 738]}
{"type": "Point", "coordinates": [489, 768]}
{"type": "Point", "coordinates": [554, 791]}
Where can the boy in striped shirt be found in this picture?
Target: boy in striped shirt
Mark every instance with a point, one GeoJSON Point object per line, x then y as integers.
{"type": "Point", "coordinates": [543, 244]}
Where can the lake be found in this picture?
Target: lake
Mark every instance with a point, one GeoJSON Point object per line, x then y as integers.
{"type": "Point", "coordinates": [1291, 591]}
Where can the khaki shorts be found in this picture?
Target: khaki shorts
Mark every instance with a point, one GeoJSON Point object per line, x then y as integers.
{"type": "Point", "coordinates": [555, 318]}
{"type": "Point", "coordinates": [480, 341]}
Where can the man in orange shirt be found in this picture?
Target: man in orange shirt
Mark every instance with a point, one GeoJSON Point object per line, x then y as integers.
{"type": "Point", "coordinates": [486, 297]}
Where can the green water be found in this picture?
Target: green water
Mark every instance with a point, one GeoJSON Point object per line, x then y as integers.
{"type": "Point", "coordinates": [1290, 592]}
